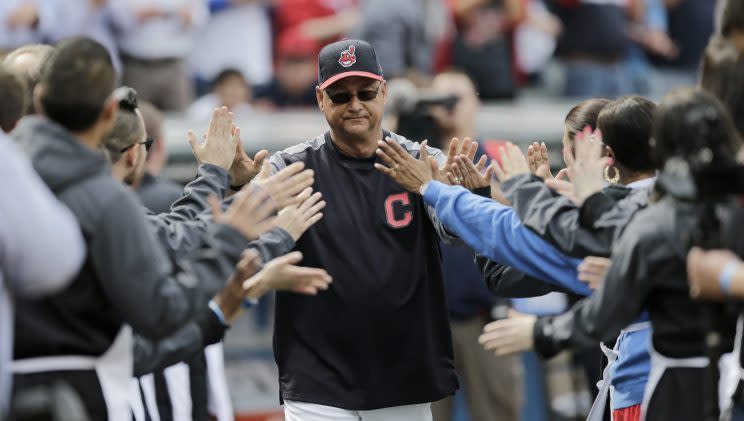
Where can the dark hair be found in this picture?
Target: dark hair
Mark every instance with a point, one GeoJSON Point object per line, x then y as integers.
{"type": "Point", "coordinates": [13, 92]}
{"type": "Point", "coordinates": [77, 79]}
{"type": "Point", "coordinates": [227, 74]}
{"type": "Point", "coordinates": [126, 127]}
{"type": "Point", "coordinates": [722, 74]}
{"type": "Point", "coordinates": [627, 124]}
{"type": "Point", "coordinates": [31, 73]}
{"type": "Point", "coordinates": [693, 125]}
{"type": "Point", "coordinates": [732, 18]}
{"type": "Point", "coordinates": [584, 114]}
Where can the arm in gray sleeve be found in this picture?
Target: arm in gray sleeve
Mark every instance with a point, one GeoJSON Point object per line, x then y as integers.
{"type": "Point", "coordinates": [507, 282]}
{"type": "Point", "coordinates": [556, 218]}
{"type": "Point", "coordinates": [211, 180]}
{"type": "Point", "coordinates": [617, 302]}
{"type": "Point", "coordinates": [41, 245]}
{"type": "Point", "coordinates": [181, 345]}
{"type": "Point", "coordinates": [204, 329]}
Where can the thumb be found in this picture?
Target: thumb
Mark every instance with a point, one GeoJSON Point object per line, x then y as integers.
{"type": "Point", "coordinates": [236, 137]}
{"type": "Point", "coordinates": [265, 170]}
{"type": "Point", "coordinates": [260, 156]}
{"type": "Point", "coordinates": [423, 156]}
{"type": "Point", "coordinates": [489, 171]}
{"type": "Point", "coordinates": [434, 166]}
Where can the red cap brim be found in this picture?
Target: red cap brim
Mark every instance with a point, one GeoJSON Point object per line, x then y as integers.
{"type": "Point", "coordinates": [340, 76]}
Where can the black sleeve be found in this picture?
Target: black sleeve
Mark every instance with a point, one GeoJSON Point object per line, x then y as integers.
{"type": "Point", "coordinates": [210, 180]}
{"type": "Point", "coordinates": [507, 282]}
{"type": "Point", "coordinates": [617, 302]}
{"type": "Point", "coordinates": [556, 218]}
{"type": "Point", "coordinates": [183, 344]}
{"type": "Point", "coordinates": [593, 208]}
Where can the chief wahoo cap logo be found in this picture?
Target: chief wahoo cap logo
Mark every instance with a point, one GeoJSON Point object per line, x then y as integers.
{"type": "Point", "coordinates": [347, 57]}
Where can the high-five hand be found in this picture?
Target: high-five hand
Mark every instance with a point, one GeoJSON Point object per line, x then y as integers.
{"type": "Point", "coordinates": [218, 147]}
{"type": "Point", "coordinates": [243, 168]}
{"type": "Point", "coordinates": [409, 172]}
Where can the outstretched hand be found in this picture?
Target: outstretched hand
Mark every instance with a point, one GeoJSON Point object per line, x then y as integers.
{"type": "Point", "coordinates": [219, 144]}
{"type": "Point", "coordinates": [251, 213]}
{"type": "Point", "coordinates": [513, 163]}
{"type": "Point", "coordinates": [283, 274]}
{"type": "Point", "coordinates": [285, 186]}
{"type": "Point", "coordinates": [243, 168]}
{"type": "Point", "coordinates": [297, 219]}
{"type": "Point", "coordinates": [409, 172]}
{"type": "Point", "coordinates": [472, 176]}
{"type": "Point", "coordinates": [539, 161]}
{"type": "Point", "coordinates": [509, 336]}
{"type": "Point", "coordinates": [592, 271]}
{"type": "Point", "coordinates": [467, 148]}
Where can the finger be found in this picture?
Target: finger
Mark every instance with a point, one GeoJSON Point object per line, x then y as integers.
{"type": "Point", "coordinates": [292, 258]}
{"type": "Point", "coordinates": [314, 219]}
{"type": "Point", "coordinates": [214, 204]}
{"type": "Point", "coordinates": [544, 152]}
{"type": "Point", "coordinates": [434, 167]}
{"type": "Point", "coordinates": [236, 135]}
{"type": "Point", "coordinates": [285, 173]}
{"type": "Point", "coordinates": [258, 159]}
{"type": "Point", "coordinates": [385, 157]}
{"type": "Point", "coordinates": [531, 159]}
{"type": "Point", "coordinates": [472, 149]}
{"type": "Point", "coordinates": [481, 163]}
{"type": "Point", "coordinates": [500, 173]}
{"type": "Point", "coordinates": [562, 174]}
{"type": "Point", "coordinates": [192, 140]}
{"type": "Point", "coordinates": [305, 290]}
{"type": "Point", "coordinates": [423, 154]}
{"type": "Point", "coordinates": [315, 209]}
{"type": "Point", "coordinates": [453, 150]}
{"type": "Point", "coordinates": [302, 198]}
{"type": "Point", "coordinates": [400, 153]}
{"type": "Point", "coordinates": [265, 172]}
{"type": "Point", "coordinates": [383, 169]}
{"type": "Point", "coordinates": [490, 171]}
{"type": "Point", "coordinates": [310, 199]}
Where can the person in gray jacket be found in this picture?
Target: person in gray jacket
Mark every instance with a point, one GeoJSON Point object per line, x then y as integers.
{"type": "Point", "coordinates": [82, 334]}
{"type": "Point", "coordinates": [184, 227]}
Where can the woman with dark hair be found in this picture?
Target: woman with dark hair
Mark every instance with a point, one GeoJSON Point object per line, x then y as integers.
{"type": "Point", "coordinates": [693, 134]}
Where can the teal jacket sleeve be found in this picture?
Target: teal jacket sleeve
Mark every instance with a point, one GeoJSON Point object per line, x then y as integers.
{"type": "Point", "coordinates": [494, 230]}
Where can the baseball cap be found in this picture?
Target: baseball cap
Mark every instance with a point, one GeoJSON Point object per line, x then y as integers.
{"type": "Point", "coordinates": [351, 57]}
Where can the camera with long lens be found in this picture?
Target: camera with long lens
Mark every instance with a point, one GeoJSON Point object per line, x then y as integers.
{"type": "Point", "coordinates": [414, 111]}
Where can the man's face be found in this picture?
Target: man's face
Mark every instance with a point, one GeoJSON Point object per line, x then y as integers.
{"type": "Point", "coordinates": [138, 165]}
{"type": "Point", "coordinates": [464, 112]}
{"type": "Point", "coordinates": [358, 107]}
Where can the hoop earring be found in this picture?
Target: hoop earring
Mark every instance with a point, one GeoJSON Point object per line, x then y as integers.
{"type": "Point", "coordinates": [615, 178]}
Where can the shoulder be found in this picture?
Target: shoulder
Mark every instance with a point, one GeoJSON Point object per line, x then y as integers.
{"type": "Point", "coordinates": [297, 153]}
{"type": "Point", "coordinates": [413, 147]}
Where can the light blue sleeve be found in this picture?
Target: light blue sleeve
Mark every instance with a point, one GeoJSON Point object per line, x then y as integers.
{"type": "Point", "coordinates": [495, 231]}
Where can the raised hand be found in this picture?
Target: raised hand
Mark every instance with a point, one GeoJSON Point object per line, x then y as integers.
{"type": "Point", "coordinates": [538, 160]}
{"type": "Point", "coordinates": [285, 186]}
{"type": "Point", "coordinates": [219, 144]}
{"type": "Point", "coordinates": [588, 165]}
{"type": "Point", "coordinates": [512, 163]}
{"type": "Point", "coordinates": [282, 274]}
{"type": "Point", "coordinates": [472, 176]}
{"type": "Point", "coordinates": [251, 212]}
{"type": "Point", "coordinates": [466, 147]}
{"type": "Point", "coordinates": [592, 271]}
{"type": "Point", "coordinates": [510, 335]}
{"type": "Point", "coordinates": [409, 172]}
{"type": "Point", "coordinates": [705, 270]}
{"type": "Point", "coordinates": [243, 168]}
{"type": "Point", "coordinates": [297, 219]}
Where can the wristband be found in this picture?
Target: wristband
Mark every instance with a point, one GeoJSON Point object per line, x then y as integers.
{"type": "Point", "coordinates": [249, 302]}
{"type": "Point", "coordinates": [728, 275]}
{"type": "Point", "coordinates": [218, 312]}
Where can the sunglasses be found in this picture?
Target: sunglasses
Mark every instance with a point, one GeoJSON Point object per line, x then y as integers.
{"type": "Point", "coordinates": [345, 97]}
{"type": "Point", "coordinates": [147, 142]}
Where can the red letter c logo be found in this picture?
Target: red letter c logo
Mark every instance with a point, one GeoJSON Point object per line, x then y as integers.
{"type": "Point", "coordinates": [407, 216]}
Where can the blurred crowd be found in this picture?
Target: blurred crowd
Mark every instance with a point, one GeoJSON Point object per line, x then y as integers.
{"type": "Point", "coordinates": [253, 55]}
